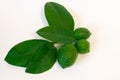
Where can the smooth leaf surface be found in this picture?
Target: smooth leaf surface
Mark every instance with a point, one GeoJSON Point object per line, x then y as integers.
{"type": "Point", "coordinates": [43, 60]}
{"type": "Point", "coordinates": [37, 55]}
{"type": "Point", "coordinates": [57, 35]}
{"type": "Point", "coordinates": [20, 54]}
{"type": "Point", "coordinates": [58, 16]}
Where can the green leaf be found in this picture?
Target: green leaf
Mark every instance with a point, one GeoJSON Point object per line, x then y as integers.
{"type": "Point", "coordinates": [57, 35]}
{"type": "Point", "coordinates": [58, 16]}
{"type": "Point", "coordinates": [37, 55]}
{"type": "Point", "coordinates": [20, 53]}
{"type": "Point", "coordinates": [43, 59]}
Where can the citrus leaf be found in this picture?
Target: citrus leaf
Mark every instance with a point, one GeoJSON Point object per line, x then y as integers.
{"type": "Point", "coordinates": [20, 53]}
{"type": "Point", "coordinates": [58, 16]}
{"type": "Point", "coordinates": [37, 55]}
{"type": "Point", "coordinates": [57, 35]}
{"type": "Point", "coordinates": [43, 60]}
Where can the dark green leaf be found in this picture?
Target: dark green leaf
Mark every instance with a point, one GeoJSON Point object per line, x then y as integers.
{"type": "Point", "coordinates": [58, 15]}
{"type": "Point", "coordinates": [57, 35]}
{"type": "Point", "coordinates": [20, 53]}
{"type": "Point", "coordinates": [43, 60]}
{"type": "Point", "coordinates": [37, 55]}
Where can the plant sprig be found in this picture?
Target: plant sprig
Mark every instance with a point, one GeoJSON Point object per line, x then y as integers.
{"type": "Point", "coordinates": [38, 55]}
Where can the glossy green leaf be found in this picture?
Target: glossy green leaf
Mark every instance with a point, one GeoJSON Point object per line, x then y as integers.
{"type": "Point", "coordinates": [57, 35]}
{"type": "Point", "coordinates": [42, 60]}
{"type": "Point", "coordinates": [37, 55]}
{"type": "Point", "coordinates": [58, 16]}
{"type": "Point", "coordinates": [19, 55]}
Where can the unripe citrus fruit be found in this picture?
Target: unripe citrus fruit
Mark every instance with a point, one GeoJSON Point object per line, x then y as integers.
{"type": "Point", "coordinates": [67, 55]}
{"type": "Point", "coordinates": [82, 33]}
{"type": "Point", "coordinates": [83, 46]}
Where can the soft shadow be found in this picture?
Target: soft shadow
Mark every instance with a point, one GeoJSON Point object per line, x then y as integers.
{"type": "Point", "coordinates": [42, 17]}
{"type": "Point", "coordinates": [57, 45]}
{"type": "Point", "coordinates": [81, 58]}
{"type": "Point", "coordinates": [93, 39]}
{"type": "Point", "coordinates": [77, 18]}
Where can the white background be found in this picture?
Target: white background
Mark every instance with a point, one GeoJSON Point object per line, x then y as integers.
{"type": "Point", "coordinates": [20, 19]}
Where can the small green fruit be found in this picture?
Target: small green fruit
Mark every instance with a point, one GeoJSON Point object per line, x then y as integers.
{"type": "Point", "coordinates": [83, 46]}
{"type": "Point", "coordinates": [67, 55]}
{"type": "Point", "coordinates": [82, 33]}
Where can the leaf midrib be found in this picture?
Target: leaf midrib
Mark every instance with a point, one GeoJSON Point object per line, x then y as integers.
{"type": "Point", "coordinates": [60, 21]}
{"type": "Point", "coordinates": [61, 36]}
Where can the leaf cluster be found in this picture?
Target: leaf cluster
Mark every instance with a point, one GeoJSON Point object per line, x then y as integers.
{"type": "Point", "coordinates": [38, 55]}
